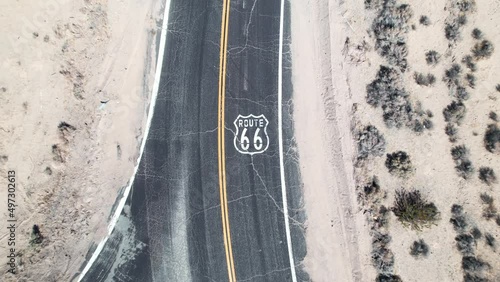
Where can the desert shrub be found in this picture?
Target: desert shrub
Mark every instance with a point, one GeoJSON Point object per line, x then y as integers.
{"type": "Point", "coordinates": [497, 220]}
{"type": "Point", "coordinates": [424, 20]}
{"type": "Point", "coordinates": [468, 277]}
{"type": "Point", "coordinates": [497, 87]}
{"type": "Point", "coordinates": [373, 187]}
{"type": "Point", "coordinates": [461, 93]}
{"type": "Point", "coordinates": [432, 57]}
{"type": "Point", "coordinates": [459, 153]}
{"type": "Point", "coordinates": [457, 209]}
{"type": "Point", "coordinates": [452, 75]}
{"type": "Point", "coordinates": [459, 223]}
{"type": "Point", "coordinates": [383, 260]}
{"type": "Point", "coordinates": [452, 131]}
{"type": "Point", "coordinates": [472, 264]}
{"type": "Point", "coordinates": [476, 233]}
{"type": "Point", "coordinates": [466, 244]}
{"type": "Point", "coordinates": [486, 199]}
{"type": "Point", "coordinates": [454, 112]}
{"type": "Point", "coordinates": [477, 34]}
{"type": "Point", "coordinates": [493, 116]}
{"type": "Point", "coordinates": [419, 249]}
{"type": "Point", "coordinates": [471, 80]}
{"type": "Point", "coordinates": [390, 28]}
{"type": "Point", "coordinates": [36, 235]}
{"type": "Point", "coordinates": [492, 138]}
{"type": "Point", "coordinates": [387, 91]}
{"type": "Point", "coordinates": [427, 123]}
{"type": "Point", "coordinates": [399, 164]}
{"type": "Point", "coordinates": [381, 218]}
{"type": "Point", "coordinates": [490, 240]}
{"type": "Point", "coordinates": [461, 20]}
{"type": "Point", "coordinates": [465, 169]}
{"type": "Point", "coordinates": [373, 4]}
{"type": "Point", "coordinates": [388, 278]}
{"type": "Point", "coordinates": [370, 142]}
{"type": "Point", "coordinates": [451, 31]}
{"type": "Point", "coordinates": [413, 210]}
{"type": "Point", "coordinates": [487, 175]}
{"type": "Point", "coordinates": [489, 211]}
{"type": "Point", "coordinates": [469, 63]}
{"type": "Point", "coordinates": [483, 49]}
{"type": "Point", "coordinates": [424, 79]}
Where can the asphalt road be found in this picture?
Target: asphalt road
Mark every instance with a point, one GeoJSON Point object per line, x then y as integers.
{"type": "Point", "coordinates": [171, 227]}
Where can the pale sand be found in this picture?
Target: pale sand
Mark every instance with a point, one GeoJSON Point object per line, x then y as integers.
{"type": "Point", "coordinates": [106, 49]}
{"type": "Point", "coordinates": [328, 78]}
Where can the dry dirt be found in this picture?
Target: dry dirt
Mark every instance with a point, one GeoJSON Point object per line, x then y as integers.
{"type": "Point", "coordinates": [335, 58]}
{"type": "Point", "coordinates": [75, 83]}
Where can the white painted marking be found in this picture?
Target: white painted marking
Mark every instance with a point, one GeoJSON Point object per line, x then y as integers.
{"type": "Point", "coordinates": [280, 141]}
{"type": "Point", "coordinates": [252, 124]}
{"type": "Point", "coordinates": [154, 94]}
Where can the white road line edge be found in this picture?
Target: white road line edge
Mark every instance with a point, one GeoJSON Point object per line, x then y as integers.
{"type": "Point", "coordinates": [280, 137]}
{"type": "Point", "coordinates": [156, 85]}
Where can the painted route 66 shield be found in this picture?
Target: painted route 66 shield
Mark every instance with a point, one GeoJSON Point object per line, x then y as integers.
{"type": "Point", "coordinates": [251, 134]}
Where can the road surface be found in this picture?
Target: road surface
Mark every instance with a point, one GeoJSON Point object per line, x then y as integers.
{"type": "Point", "coordinates": [205, 206]}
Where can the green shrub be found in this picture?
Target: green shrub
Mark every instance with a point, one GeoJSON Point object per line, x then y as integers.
{"type": "Point", "coordinates": [413, 210]}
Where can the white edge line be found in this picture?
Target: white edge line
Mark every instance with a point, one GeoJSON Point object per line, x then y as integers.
{"type": "Point", "coordinates": [280, 137]}
{"type": "Point", "coordinates": [156, 86]}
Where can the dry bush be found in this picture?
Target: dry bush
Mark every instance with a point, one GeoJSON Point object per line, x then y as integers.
{"type": "Point", "coordinates": [464, 167]}
{"type": "Point", "coordinates": [487, 175]}
{"type": "Point", "coordinates": [469, 63]}
{"type": "Point", "coordinates": [399, 164]}
{"type": "Point", "coordinates": [497, 87]}
{"type": "Point", "coordinates": [424, 20]}
{"type": "Point", "coordinates": [370, 142]}
{"type": "Point", "coordinates": [459, 223]}
{"type": "Point", "coordinates": [432, 57]}
{"type": "Point", "coordinates": [492, 138]}
{"type": "Point", "coordinates": [413, 210]}
{"type": "Point", "coordinates": [476, 233]}
{"type": "Point", "coordinates": [454, 112]}
{"type": "Point", "coordinates": [489, 211]}
{"type": "Point", "coordinates": [490, 240]}
{"type": "Point", "coordinates": [493, 116]}
{"type": "Point", "coordinates": [382, 257]}
{"type": "Point", "coordinates": [468, 277]}
{"type": "Point", "coordinates": [387, 91]}
{"type": "Point", "coordinates": [452, 131]}
{"type": "Point", "coordinates": [388, 278]}
{"type": "Point", "coordinates": [466, 244]}
{"type": "Point", "coordinates": [471, 80]}
{"type": "Point", "coordinates": [472, 264]}
{"type": "Point", "coordinates": [424, 79]}
{"type": "Point", "coordinates": [483, 50]}
{"type": "Point", "coordinates": [459, 153]}
{"type": "Point", "coordinates": [452, 75]}
{"type": "Point", "coordinates": [390, 28]}
{"type": "Point", "coordinates": [419, 249]}
{"type": "Point", "coordinates": [477, 34]}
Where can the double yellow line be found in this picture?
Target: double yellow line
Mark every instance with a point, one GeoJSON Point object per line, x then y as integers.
{"type": "Point", "coordinates": [220, 142]}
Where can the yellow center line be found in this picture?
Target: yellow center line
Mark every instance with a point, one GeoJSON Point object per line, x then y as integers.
{"type": "Point", "coordinates": [221, 142]}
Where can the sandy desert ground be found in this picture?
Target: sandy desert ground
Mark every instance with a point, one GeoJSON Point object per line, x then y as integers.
{"type": "Point", "coordinates": [75, 84]}
{"type": "Point", "coordinates": [340, 88]}
{"type": "Point", "coordinates": [76, 89]}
